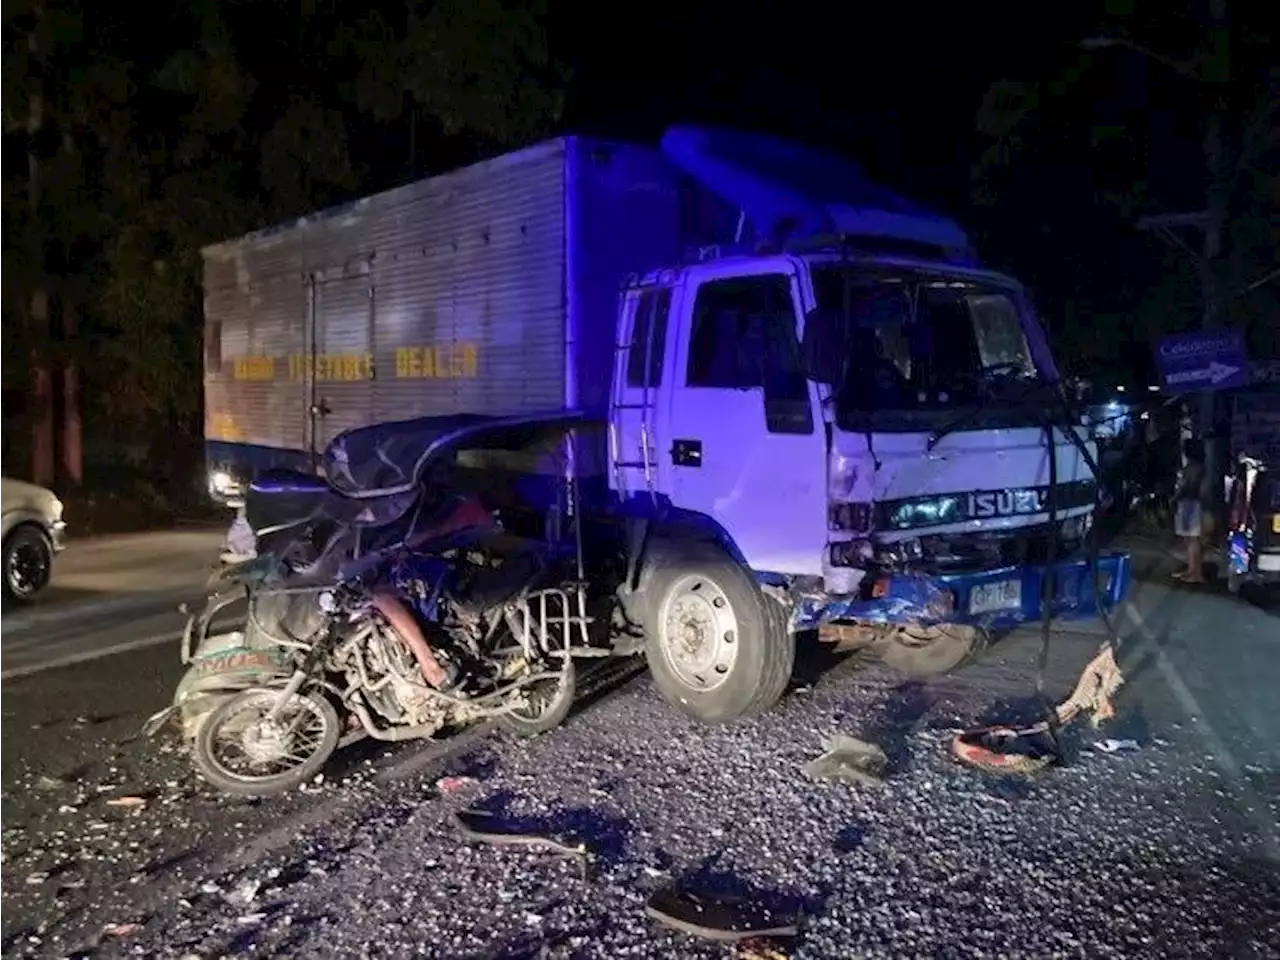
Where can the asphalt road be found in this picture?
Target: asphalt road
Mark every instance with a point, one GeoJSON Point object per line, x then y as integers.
{"type": "Point", "coordinates": [108, 594]}
{"type": "Point", "coordinates": [1168, 850]}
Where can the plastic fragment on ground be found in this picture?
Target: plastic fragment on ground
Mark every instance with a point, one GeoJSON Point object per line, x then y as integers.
{"type": "Point", "coordinates": [847, 758]}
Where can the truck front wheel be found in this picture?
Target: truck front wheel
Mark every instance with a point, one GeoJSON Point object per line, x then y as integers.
{"type": "Point", "coordinates": [718, 647]}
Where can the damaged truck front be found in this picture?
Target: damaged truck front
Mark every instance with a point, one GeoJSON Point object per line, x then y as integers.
{"type": "Point", "coordinates": [827, 416]}
{"type": "Point", "coordinates": [851, 427]}
{"type": "Point", "coordinates": [957, 477]}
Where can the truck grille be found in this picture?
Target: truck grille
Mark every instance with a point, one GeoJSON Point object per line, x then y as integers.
{"type": "Point", "coordinates": [962, 552]}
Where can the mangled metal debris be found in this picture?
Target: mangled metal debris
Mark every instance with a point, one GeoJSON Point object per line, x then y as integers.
{"type": "Point", "coordinates": [490, 828]}
{"type": "Point", "coordinates": [714, 917]}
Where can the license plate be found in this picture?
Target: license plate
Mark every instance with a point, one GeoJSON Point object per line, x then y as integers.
{"type": "Point", "coordinates": [1275, 523]}
{"type": "Point", "coordinates": [1001, 595]}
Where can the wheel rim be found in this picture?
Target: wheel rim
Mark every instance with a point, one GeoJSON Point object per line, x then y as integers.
{"type": "Point", "coordinates": [699, 633]}
{"type": "Point", "coordinates": [26, 568]}
{"type": "Point", "coordinates": [542, 698]}
{"type": "Point", "coordinates": [252, 749]}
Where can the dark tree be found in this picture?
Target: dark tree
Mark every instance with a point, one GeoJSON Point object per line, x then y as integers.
{"type": "Point", "coordinates": [150, 132]}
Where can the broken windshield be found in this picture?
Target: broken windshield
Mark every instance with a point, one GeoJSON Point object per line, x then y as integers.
{"type": "Point", "coordinates": [907, 350]}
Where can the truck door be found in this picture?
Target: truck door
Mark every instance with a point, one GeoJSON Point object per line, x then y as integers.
{"type": "Point", "coordinates": [637, 383]}
{"type": "Point", "coordinates": [338, 368]}
{"type": "Point", "coordinates": [742, 432]}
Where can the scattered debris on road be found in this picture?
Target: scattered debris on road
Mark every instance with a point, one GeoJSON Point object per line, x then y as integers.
{"type": "Point", "coordinates": [489, 828]}
{"type": "Point", "coordinates": [244, 893]}
{"type": "Point", "coordinates": [715, 917]}
{"type": "Point", "coordinates": [759, 949]}
{"type": "Point", "coordinates": [1111, 745]}
{"type": "Point", "coordinates": [1017, 750]}
{"type": "Point", "coordinates": [1028, 750]}
{"type": "Point", "coordinates": [129, 803]}
{"type": "Point", "coordinates": [121, 930]}
{"type": "Point", "coordinates": [448, 785]}
{"type": "Point", "coordinates": [847, 758]}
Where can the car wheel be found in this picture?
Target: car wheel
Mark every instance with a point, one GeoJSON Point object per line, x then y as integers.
{"type": "Point", "coordinates": [28, 563]}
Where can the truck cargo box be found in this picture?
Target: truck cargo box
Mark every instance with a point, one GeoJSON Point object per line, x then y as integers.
{"type": "Point", "coordinates": [488, 290]}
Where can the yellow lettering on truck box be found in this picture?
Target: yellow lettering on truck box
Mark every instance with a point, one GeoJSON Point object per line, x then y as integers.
{"type": "Point", "coordinates": [450, 361]}
{"type": "Point", "coordinates": [345, 367]}
{"type": "Point", "coordinates": [253, 368]}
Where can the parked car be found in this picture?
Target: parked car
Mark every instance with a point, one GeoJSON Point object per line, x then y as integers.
{"type": "Point", "coordinates": [33, 535]}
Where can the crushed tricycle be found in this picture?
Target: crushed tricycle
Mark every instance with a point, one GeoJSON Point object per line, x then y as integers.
{"type": "Point", "coordinates": [389, 601]}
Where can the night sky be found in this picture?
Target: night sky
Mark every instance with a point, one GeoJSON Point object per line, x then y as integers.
{"type": "Point", "coordinates": [899, 86]}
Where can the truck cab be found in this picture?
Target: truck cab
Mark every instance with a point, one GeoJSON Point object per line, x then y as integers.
{"type": "Point", "coordinates": [878, 443]}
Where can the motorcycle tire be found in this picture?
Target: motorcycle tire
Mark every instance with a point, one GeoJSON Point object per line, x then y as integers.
{"type": "Point", "coordinates": [922, 653]}
{"type": "Point", "coordinates": [229, 781]}
{"type": "Point", "coordinates": [554, 709]}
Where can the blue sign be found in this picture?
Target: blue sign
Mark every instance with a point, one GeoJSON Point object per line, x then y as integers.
{"type": "Point", "coordinates": [1209, 360]}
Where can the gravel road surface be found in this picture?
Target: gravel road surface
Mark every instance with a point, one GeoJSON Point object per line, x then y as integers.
{"type": "Point", "coordinates": [1171, 849]}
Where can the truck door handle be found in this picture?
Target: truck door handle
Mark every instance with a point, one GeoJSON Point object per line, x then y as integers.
{"type": "Point", "coordinates": [686, 453]}
{"type": "Point", "coordinates": [321, 409]}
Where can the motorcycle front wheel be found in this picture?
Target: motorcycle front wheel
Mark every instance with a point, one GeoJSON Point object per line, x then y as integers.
{"type": "Point", "coordinates": [547, 704]}
{"type": "Point", "coordinates": [239, 750]}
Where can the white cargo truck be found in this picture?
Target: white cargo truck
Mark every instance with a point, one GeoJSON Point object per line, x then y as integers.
{"type": "Point", "coordinates": [816, 409]}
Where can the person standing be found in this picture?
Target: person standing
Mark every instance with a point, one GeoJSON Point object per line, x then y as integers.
{"type": "Point", "coordinates": [1188, 504]}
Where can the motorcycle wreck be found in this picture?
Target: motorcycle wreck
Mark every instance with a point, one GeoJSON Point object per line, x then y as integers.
{"type": "Point", "coordinates": [413, 589]}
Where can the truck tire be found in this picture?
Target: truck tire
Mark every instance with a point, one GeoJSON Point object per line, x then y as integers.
{"type": "Point", "coordinates": [922, 652]}
{"type": "Point", "coordinates": [718, 648]}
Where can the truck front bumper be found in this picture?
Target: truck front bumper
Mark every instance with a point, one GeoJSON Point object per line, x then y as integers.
{"type": "Point", "coordinates": [1003, 597]}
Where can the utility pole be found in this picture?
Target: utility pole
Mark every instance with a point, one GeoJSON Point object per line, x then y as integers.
{"type": "Point", "coordinates": [1219, 75]}
{"type": "Point", "coordinates": [42, 446]}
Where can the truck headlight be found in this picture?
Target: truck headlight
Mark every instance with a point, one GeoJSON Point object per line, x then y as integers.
{"type": "Point", "coordinates": [900, 552]}
{"type": "Point", "coordinates": [850, 553]}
